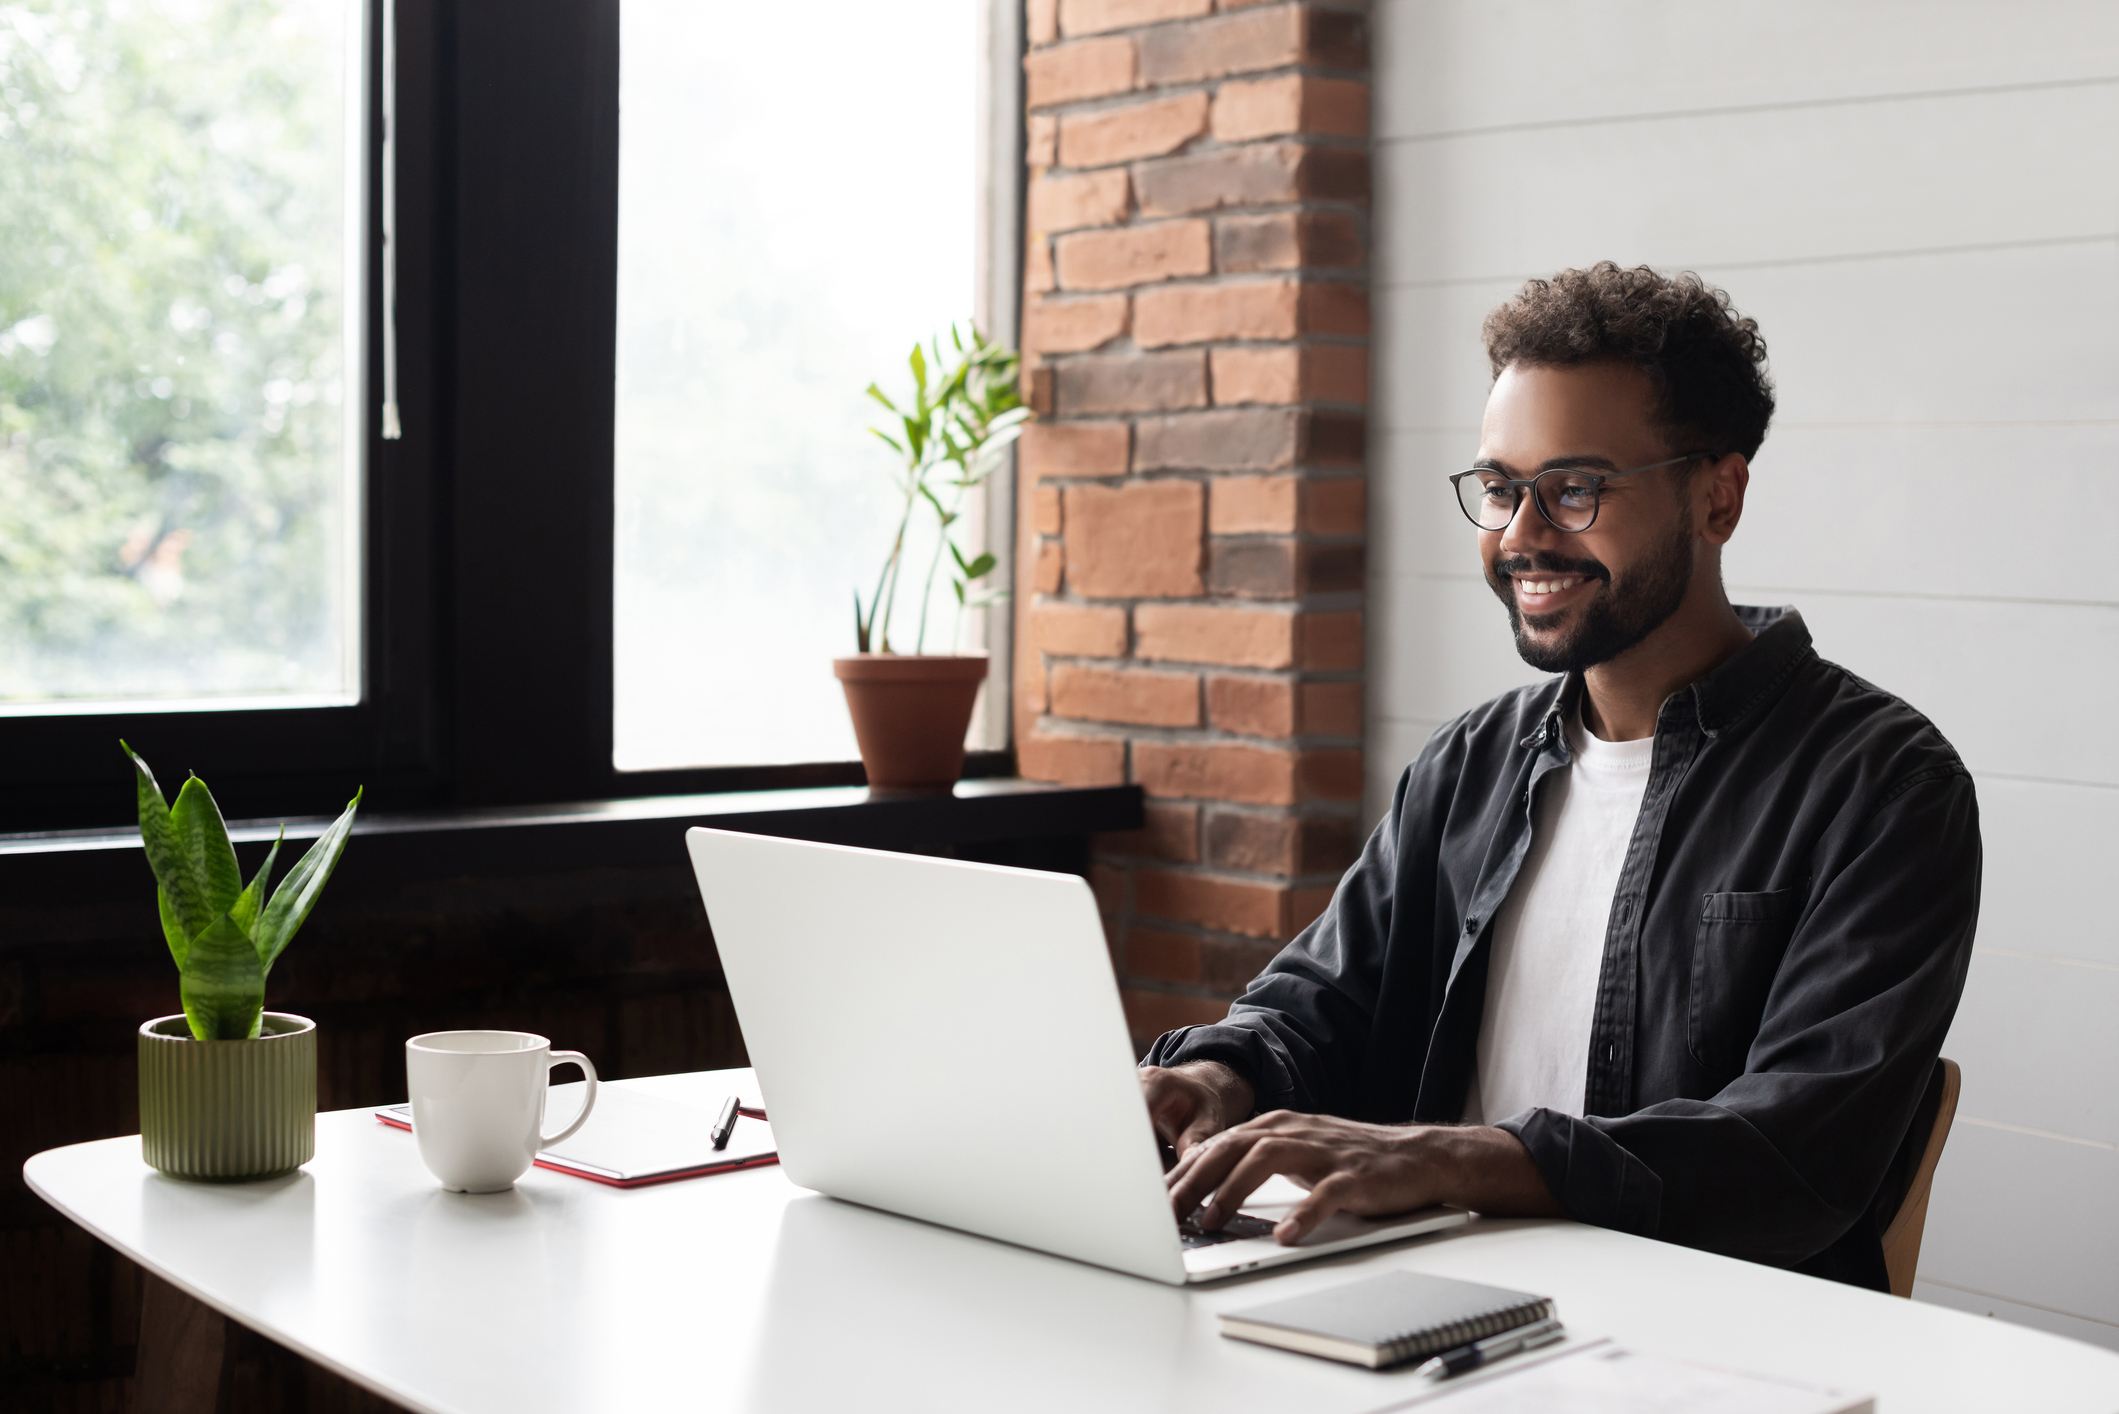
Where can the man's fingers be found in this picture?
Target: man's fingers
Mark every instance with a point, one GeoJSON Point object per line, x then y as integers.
{"type": "Point", "coordinates": [1328, 1197]}
{"type": "Point", "coordinates": [1266, 1158]}
{"type": "Point", "coordinates": [1201, 1172]}
{"type": "Point", "coordinates": [1197, 1132]}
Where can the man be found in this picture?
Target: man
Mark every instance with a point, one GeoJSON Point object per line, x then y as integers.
{"type": "Point", "coordinates": [1668, 943]}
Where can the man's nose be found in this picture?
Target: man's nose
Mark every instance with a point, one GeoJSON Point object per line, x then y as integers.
{"type": "Point", "coordinates": [1530, 531]}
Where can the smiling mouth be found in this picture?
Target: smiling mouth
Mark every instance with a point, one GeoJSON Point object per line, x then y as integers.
{"type": "Point", "coordinates": [1546, 591]}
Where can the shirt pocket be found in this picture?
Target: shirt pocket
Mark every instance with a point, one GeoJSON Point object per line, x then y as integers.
{"type": "Point", "coordinates": [1736, 951]}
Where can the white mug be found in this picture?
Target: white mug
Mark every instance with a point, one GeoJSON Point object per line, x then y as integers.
{"type": "Point", "coordinates": [478, 1104]}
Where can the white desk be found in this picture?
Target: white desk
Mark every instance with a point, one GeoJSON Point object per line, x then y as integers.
{"type": "Point", "coordinates": [743, 1292]}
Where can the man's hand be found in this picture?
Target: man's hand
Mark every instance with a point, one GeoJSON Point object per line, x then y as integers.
{"type": "Point", "coordinates": [1189, 1102]}
{"type": "Point", "coordinates": [1351, 1167]}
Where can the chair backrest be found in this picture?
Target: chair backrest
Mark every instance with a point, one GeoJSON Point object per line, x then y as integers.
{"type": "Point", "coordinates": [1902, 1235]}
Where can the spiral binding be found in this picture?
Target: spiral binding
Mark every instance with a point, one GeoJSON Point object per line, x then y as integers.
{"type": "Point", "coordinates": [1467, 1329]}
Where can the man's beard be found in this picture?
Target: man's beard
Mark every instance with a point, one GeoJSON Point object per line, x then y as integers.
{"type": "Point", "coordinates": [1626, 612]}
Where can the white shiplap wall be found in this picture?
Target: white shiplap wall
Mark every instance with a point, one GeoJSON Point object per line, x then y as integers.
{"type": "Point", "coordinates": [1919, 202]}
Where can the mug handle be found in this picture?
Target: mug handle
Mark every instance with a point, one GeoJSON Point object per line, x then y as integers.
{"type": "Point", "coordinates": [588, 1101]}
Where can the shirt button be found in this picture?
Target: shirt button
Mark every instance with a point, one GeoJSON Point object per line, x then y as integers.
{"type": "Point", "coordinates": [1471, 926]}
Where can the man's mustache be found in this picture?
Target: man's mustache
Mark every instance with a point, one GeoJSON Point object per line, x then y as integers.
{"type": "Point", "coordinates": [1516, 566]}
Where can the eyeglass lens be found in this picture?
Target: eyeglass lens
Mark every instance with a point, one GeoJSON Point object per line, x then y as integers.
{"type": "Point", "coordinates": [1568, 498]}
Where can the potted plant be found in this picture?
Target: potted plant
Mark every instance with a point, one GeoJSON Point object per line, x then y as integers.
{"type": "Point", "coordinates": [911, 709]}
{"type": "Point", "coordinates": [227, 1089]}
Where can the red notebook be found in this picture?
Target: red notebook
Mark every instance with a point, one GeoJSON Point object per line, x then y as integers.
{"type": "Point", "coordinates": [633, 1140]}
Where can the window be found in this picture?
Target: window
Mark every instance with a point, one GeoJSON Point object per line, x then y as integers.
{"type": "Point", "coordinates": [434, 616]}
{"type": "Point", "coordinates": [786, 230]}
{"type": "Point", "coordinates": [177, 309]}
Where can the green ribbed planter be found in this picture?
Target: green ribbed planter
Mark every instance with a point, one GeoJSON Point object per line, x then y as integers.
{"type": "Point", "coordinates": [220, 1111]}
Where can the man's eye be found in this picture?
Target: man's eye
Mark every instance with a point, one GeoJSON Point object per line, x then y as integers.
{"type": "Point", "coordinates": [1496, 488]}
{"type": "Point", "coordinates": [1578, 492]}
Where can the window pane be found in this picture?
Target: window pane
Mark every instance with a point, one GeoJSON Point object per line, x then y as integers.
{"type": "Point", "coordinates": [174, 468]}
{"type": "Point", "coordinates": [780, 246]}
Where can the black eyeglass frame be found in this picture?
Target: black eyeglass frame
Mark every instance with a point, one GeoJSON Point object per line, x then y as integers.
{"type": "Point", "coordinates": [1529, 484]}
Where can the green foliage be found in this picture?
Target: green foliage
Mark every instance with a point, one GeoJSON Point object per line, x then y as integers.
{"type": "Point", "coordinates": [171, 227]}
{"type": "Point", "coordinates": [225, 935]}
{"type": "Point", "coordinates": [963, 411]}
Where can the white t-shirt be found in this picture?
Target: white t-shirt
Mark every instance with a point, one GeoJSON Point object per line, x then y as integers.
{"type": "Point", "coordinates": [1548, 943]}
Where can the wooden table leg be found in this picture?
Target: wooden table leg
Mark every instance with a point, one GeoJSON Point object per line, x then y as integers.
{"type": "Point", "coordinates": [182, 1342]}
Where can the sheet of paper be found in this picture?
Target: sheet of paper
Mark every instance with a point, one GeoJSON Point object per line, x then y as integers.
{"type": "Point", "coordinates": [1602, 1378]}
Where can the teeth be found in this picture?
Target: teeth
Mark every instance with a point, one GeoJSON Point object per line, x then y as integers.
{"type": "Point", "coordinates": [1548, 586]}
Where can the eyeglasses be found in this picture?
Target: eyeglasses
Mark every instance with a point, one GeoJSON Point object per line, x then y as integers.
{"type": "Point", "coordinates": [1567, 496]}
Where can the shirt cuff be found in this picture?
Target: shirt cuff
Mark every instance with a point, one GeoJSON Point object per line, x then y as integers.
{"type": "Point", "coordinates": [1241, 1049]}
{"type": "Point", "coordinates": [1594, 1178]}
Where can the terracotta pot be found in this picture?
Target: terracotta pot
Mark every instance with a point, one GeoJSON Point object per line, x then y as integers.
{"type": "Point", "coordinates": [910, 712]}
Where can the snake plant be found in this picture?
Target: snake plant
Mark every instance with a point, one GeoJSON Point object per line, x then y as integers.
{"type": "Point", "coordinates": [225, 935]}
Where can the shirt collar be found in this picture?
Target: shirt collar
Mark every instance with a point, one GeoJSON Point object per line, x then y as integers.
{"type": "Point", "coordinates": [1722, 698]}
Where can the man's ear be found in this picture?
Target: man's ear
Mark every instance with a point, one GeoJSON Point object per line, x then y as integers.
{"type": "Point", "coordinates": [1722, 489]}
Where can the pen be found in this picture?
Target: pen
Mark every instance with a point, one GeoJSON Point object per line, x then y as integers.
{"type": "Point", "coordinates": [1471, 1357]}
{"type": "Point", "coordinates": [725, 1125]}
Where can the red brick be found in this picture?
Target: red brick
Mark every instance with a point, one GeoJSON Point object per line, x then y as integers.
{"type": "Point", "coordinates": [1069, 201]}
{"type": "Point", "coordinates": [1051, 568]}
{"type": "Point", "coordinates": [1335, 439]}
{"type": "Point", "coordinates": [1231, 905]}
{"type": "Point", "coordinates": [1095, 16]}
{"type": "Point", "coordinates": [1078, 630]}
{"type": "Point", "coordinates": [1038, 386]}
{"type": "Point", "coordinates": [1194, 314]}
{"type": "Point", "coordinates": [1239, 439]}
{"type": "Point", "coordinates": [1094, 68]}
{"type": "Point", "coordinates": [1273, 842]}
{"type": "Point", "coordinates": [1040, 141]}
{"type": "Point", "coordinates": [1272, 37]}
{"type": "Point", "coordinates": [1112, 383]}
{"type": "Point", "coordinates": [1132, 696]}
{"type": "Point", "coordinates": [1109, 883]}
{"type": "Point", "coordinates": [1038, 274]}
{"type": "Point", "coordinates": [1045, 510]}
{"type": "Point", "coordinates": [1253, 505]}
{"type": "Point", "coordinates": [1228, 966]}
{"type": "Point", "coordinates": [1237, 637]}
{"type": "Point", "coordinates": [1335, 308]}
{"type": "Point", "coordinates": [1144, 539]}
{"type": "Point", "coordinates": [1252, 706]}
{"type": "Point", "coordinates": [1157, 955]}
{"type": "Point", "coordinates": [1329, 773]}
{"type": "Point", "coordinates": [1252, 174]}
{"type": "Point", "coordinates": [1332, 642]}
{"type": "Point", "coordinates": [1153, 127]}
{"type": "Point", "coordinates": [1330, 709]}
{"type": "Point", "coordinates": [1287, 104]}
{"type": "Point", "coordinates": [1149, 1014]}
{"type": "Point", "coordinates": [1251, 375]}
{"type": "Point", "coordinates": [1041, 21]}
{"type": "Point", "coordinates": [1134, 255]}
{"type": "Point", "coordinates": [1075, 325]}
{"type": "Point", "coordinates": [1338, 506]}
{"type": "Point", "coordinates": [1071, 760]}
{"type": "Point", "coordinates": [1287, 240]}
{"type": "Point", "coordinates": [1253, 775]}
{"type": "Point", "coordinates": [1307, 905]}
{"type": "Point", "coordinates": [1254, 569]}
{"type": "Point", "coordinates": [1075, 448]}
{"type": "Point", "coordinates": [1168, 830]}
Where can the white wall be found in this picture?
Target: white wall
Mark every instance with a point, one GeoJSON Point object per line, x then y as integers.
{"type": "Point", "coordinates": [1919, 202]}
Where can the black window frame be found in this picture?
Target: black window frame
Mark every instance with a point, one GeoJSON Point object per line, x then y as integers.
{"type": "Point", "coordinates": [487, 592]}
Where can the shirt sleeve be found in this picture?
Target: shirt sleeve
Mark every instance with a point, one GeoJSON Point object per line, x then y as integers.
{"type": "Point", "coordinates": [1788, 1157]}
{"type": "Point", "coordinates": [1299, 1031]}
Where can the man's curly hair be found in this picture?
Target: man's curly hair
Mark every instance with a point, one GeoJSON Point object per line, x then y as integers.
{"type": "Point", "coordinates": [1708, 363]}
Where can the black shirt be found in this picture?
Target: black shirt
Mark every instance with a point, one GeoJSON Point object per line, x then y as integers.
{"type": "Point", "coordinates": [1786, 947]}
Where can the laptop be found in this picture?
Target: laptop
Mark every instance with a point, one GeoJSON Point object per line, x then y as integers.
{"type": "Point", "coordinates": [944, 1040]}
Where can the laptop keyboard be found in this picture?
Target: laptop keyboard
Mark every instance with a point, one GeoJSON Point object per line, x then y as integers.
{"type": "Point", "coordinates": [1242, 1225]}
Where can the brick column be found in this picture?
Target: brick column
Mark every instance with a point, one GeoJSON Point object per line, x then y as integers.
{"type": "Point", "coordinates": [1192, 498]}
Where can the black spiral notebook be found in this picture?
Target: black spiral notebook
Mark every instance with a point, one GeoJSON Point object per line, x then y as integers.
{"type": "Point", "coordinates": [1387, 1319]}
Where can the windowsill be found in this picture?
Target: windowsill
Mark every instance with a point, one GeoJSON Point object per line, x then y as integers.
{"type": "Point", "coordinates": [641, 832]}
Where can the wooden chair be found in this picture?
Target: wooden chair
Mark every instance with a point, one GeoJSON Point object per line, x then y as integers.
{"type": "Point", "coordinates": [1902, 1235]}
